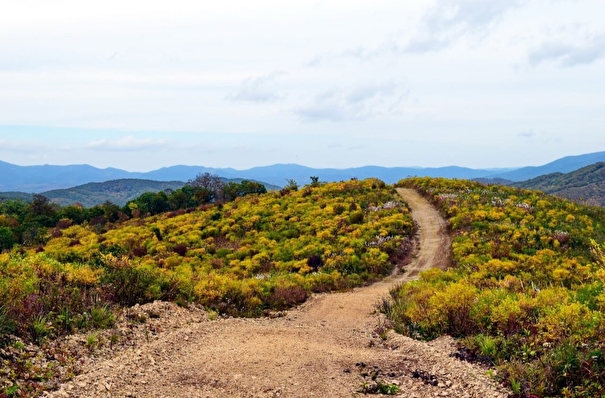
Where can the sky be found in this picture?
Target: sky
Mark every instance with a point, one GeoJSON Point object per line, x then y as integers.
{"type": "Point", "coordinates": [141, 85]}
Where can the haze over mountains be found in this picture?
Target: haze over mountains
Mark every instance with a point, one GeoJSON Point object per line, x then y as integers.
{"type": "Point", "coordinates": [36, 179]}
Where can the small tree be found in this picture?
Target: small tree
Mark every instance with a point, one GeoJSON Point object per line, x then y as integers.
{"type": "Point", "coordinates": [7, 239]}
{"type": "Point", "coordinates": [207, 187]}
{"type": "Point", "coordinates": [291, 185]}
{"type": "Point", "coordinates": [251, 187]}
{"type": "Point", "coordinates": [42, 211]}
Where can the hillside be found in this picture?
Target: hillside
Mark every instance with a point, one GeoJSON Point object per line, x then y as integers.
{"type": "Point", "coordinates": [337, 334]}
{"type": "Point", "coordinates": [25, 197]}
{"type": "Point", "coordinates": [563, 165]}
{"type": "Point", "coordinates": [586, 185]}
{"type": "Point", "coordinates": [255, 255]}
{"type": "Point", "coordinates": [118, 192]}
{"type": "Point", "coordinates": [526, 290]}
{"type": "Point", "coordinates": [524, 294]}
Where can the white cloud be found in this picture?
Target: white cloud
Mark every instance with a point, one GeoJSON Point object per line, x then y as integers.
{"type": "Point", "coordinates": [129, 143]}
{"type": "Point", "coordinates": [447, 21]}
{"type": "Point", "coordinates": [358, 103]}
{"type": "Point", "coordinates": [569, 54]}
{"type": "Point", "coordinates": [258, 89]}
{"type": "Point", "coordinates": [527, 135]}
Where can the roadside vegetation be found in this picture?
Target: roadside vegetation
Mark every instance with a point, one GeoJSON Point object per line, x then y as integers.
{"type": "Point", "coordinates": [525, 291]}
{"type": "Point", "coordinates": [231, 248]}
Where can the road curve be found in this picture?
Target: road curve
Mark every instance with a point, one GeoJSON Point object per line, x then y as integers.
{"type": "Point", "coordinates": [435, 243]}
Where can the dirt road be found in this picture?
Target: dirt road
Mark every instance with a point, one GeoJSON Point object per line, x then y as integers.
{"type": "Point", "coordinates": [329, 347]}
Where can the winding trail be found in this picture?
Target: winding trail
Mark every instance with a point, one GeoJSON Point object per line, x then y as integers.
{"type": "Point", "coordinates": [321, 349]}
{"type": "Point", "coordinates": [435, 243]}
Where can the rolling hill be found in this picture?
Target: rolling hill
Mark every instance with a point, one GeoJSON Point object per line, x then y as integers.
{"type": "Point", "coordinates": [586, 185]}
{"type": "Point", "coordinates": [563, 165]}
{"type": "Point", "coordinates": [115, 191]}
{"type": "Point", "coordinates": [118, 192]}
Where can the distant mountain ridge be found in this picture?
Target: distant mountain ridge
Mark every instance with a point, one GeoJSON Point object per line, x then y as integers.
{"type": "Point", "coordinates": [563, 165]}
{"type": "Point", "coordinates": [47, 177]}
{"type": "Point", "coordinates": [586, 185]}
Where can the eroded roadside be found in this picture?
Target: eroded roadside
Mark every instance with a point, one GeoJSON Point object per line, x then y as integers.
{"type": "Point", "coordinates": [332, 346]}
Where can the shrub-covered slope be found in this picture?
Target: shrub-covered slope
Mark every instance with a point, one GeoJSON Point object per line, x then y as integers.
{"type": "Point", "coordinates": [258, 253]}
{"type": "Point", "coordinates": [525, 291]}
{"type": "Point", "coordinates": [586, 185]}
{"type": "Point", "coordinates": [255, 253]}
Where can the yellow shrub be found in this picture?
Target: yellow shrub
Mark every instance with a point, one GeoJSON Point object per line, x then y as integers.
{"type": "Point", "coordinates": [82, 274]}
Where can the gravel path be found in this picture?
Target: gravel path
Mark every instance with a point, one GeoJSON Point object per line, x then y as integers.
{"type": "Point", "coordinates": [332, 346]}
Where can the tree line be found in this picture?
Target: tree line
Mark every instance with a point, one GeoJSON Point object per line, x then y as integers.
{"type": "Point", "coordinates": [31, 224]}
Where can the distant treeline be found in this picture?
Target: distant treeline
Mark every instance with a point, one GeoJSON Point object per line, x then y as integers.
{"type": "Point", "coordinates": [33, 223]}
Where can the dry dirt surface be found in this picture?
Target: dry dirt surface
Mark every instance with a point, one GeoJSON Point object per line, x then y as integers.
{"type": "Point", "coordinates": [332, 346]}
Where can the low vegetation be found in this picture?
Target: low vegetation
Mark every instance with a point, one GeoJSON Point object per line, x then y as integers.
{"type": "Point", "coordinates": [27, 223]}
{"type": "Point", "coordinates": [525, 292]}
{"type": "Point", "coordinates": [586, 185]}
{"type": "Point", "coordinates": [250, 255]}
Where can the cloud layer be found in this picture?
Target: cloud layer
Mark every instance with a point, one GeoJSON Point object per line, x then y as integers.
{"type": "Point", "coordinates": [129, 143]}
{"type": "Point", "coordinates": [358, 103]}
{"type": "Point", "coordinates": [245, 83]}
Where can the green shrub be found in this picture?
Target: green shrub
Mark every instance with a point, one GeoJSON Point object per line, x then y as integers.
{"type": "Point", "coordinates": [102, 317]}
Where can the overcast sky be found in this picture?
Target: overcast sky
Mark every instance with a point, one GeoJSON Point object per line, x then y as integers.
{"type": "Point", "coordinates": [140, 85]}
